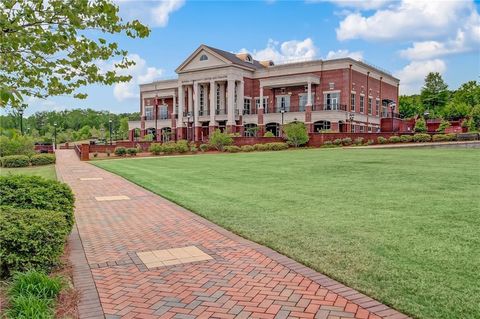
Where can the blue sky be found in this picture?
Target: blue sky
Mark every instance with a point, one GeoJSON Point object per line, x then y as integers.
{"type": "Point", "coordinates": [408, 38]}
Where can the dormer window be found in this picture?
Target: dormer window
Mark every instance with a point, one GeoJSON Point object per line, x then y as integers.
{"type": "Point", "coordinates": [203, 57]}
{"type": "Point", "coordinates": [248, 58]}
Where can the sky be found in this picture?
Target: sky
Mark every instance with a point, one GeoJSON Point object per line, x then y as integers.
{"type": "Point", "coordinates": [409, 38]}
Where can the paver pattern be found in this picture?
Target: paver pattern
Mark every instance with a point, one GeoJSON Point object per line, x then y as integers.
{"type": "Point", "coordinates": [240, 280]}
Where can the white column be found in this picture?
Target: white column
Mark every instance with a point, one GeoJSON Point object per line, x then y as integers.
{"type": "Point", "coordinates": [213, 101]}
{"type": "Point", "coordinates": [181, 100]}
{"type": "Point", "coordinates": [260, 106]}
{"type": "Point", "coordinates": [222, 96]}
{"type": "Point", "coordinates": [240, 96]}
{"type": "Point", "coordinates": [231, 102]}
{"type": "Point", "coordinates": [309, 92]}
{"type": "Point", "coordinates": [189, 99]}
{"type": "Point", "coordinates": [195, 103]}
{"type": "Point", "coordinates": [174, 104]}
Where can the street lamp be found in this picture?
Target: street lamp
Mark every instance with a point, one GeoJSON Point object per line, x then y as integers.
{"type": "Point", "coordinates": [21, 109]}
{"type": "Point", "coordinates": [156, 117]}
{"type": "Point", "coordinates": [110, 128]}
{"type": "Point", "coordinates": [392, 106]}
{"type": "Point", "coordinates": [189, 115]}
{"type": "Point", "coordinates": [28, 130]}
{"type": "Point", "coordinates": [282, 111]}
{"type": "Point", "coordinates": [55, 135]}
{"type": "Point", "coordinates": [351, 116]}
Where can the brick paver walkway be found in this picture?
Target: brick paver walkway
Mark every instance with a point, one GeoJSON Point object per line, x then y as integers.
{"type": "Point", "coordinates": [243, 280]}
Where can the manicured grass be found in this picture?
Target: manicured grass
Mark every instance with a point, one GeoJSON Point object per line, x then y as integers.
{"type": "Point", "coordinates": [47, 171]}
{"type": "Point", "coordinates": [401, 225]}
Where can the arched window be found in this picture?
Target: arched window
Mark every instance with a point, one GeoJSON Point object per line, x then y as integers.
{"type": "Point", "coordinates": [321, 126]}
{"type": "Point", "coordinates": [274, 128]}
{"type": "Point", "coordinates": [248, 58]}
{"type": "Point", "coordinates": [203, 57]}
{"type": "Point", "coordinates": [251, 130]}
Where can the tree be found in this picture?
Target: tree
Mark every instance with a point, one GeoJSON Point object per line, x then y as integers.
{"type": "Point", "coordinates": [409, 106]}
{"type": "Point", "coordinates": [456, 110]}
{"type": "Point", "coordinates": [123, 129]}
{"type": "Point", "coordinates": [434, 94]}
{"type": "Point", "coordinates": [475, 117]}
{"type": "Point", "coordinates": [443, 126]}
{"type": "Point", "coordinates": [468, 93]}
{"type": "Point", "coordinates": [296, 133]}
{"type": "Point", "coordinates": [54, 47]}
{"type": "Point", "coordinates": [420, 125]}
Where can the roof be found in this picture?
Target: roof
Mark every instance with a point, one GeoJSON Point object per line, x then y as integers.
{"type": "Point", "coordinates": [236, 60]}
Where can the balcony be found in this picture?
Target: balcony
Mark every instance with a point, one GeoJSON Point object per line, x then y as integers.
{"type": "Point", "coordinates": [203, 112]}
{"type": "Point", "coordinates": [220, 111]}
{"type": "Point", "coordinates": [329, 107]}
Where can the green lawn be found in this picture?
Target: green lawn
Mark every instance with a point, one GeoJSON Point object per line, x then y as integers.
{"type": "Point", "coordinates": [47, 171]}
{"type": "Point", "coordinates": [401, 225]}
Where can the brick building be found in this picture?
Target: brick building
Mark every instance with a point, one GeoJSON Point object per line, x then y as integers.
{"type": "Point", "coordinates": [234, 92]}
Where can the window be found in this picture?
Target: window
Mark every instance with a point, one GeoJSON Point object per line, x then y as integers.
{"type": "Point", "coordinates": [352, 128]}
{"type": "Point", "coordinates": [362, 103]}
{"type": "Point", "coordinates": [321, 126]}
{"type": "Point", "coordinates": [247, 106]}
{"type": "Point", "coordinates": [331, 85]}
{"type": "Point", "coordinates": [202, 99]}
{"type": "Point", "coordinates": [203, 57]}
{"type": "Point", "coordinates": [217, 98]}
{"type": "Point", "coordinates": [265, 103]}
{"type": "Point", "coordinates": [331, 101]}
{"type": "Point", "coordinates": [352, 102]}
{"type": "Point", "coordinates": [369, 105]}
{"type": "Point", "coordinates": [362, 128]}
{"type": "Point", "coordinates": [149, 113]}
{"type": "Point", "coordinates": [283, 102]}
{"type": "Point", "coordinates": [377, 107]}
{"type": "Point", "coordinates": [249, 58]}
{"type": "Point", "coordinates": [303, 99]}
{"type": "Point", "coordinates": [369, 129]}
{"type": "Point", "coordinates": [163, 112]}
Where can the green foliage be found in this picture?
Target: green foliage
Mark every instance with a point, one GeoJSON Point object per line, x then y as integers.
{"type": "Point", "coordinates": [358, 141]}
{"type": "Point", "coordinates": [409, 106]}
{"type": "Point", "coordinates": [260, 147]}
{"type": "Point", "coordinates": [30, 239]}
{"type": "Point", "coordinates": [394, 139]}
{"type": "Point", "coordinates": [155, 148]}
{"type": "Point", "coordinates": [232, 149]}
{"type": "Point", "coordinates": [148, 137]}
{"type": "Point", "coordinates": [382, 140]}
{"type": "Point", "coordinates": [475, 116]}
{"type": "Point", "coordinates": [451, 137]}
{"type": "Point", "coordinates": [420, 125]}
{"type": "Point", "coordinates": [337, 141]}
{"type": "Point", "coordinates": [16, 145]}
{"type": "Point", "coordinates": [296, 133]}
{"type": "Point", "coordinates": [422, 137]}
{"type": "Point", "coordinates": [328, 144]}
{"type": "Point", "coordinates": [247, 148]}
{"type": "Point", "coordinates": [45, 51]}
{"type": "Point", "coordinates": [268, 134]}
{"type": "Point", "coordinates": [456, 110]}
{"type": "Point", "coordinates": [182, 146]}
{"type": "Point", "coordinates": [406, 138]}
{"type": "Point", "coordinates": [219, 140]}
{"type": "Point", "coordinates": [24, 191]}
{"type": "Point", "coordinates": [440, 138]}
{"type": "Point", "coordinates": [120, 151]}
{"type": "Point", "coordinates": [277, 146]}
{"type": "Point", "coordinates": [42, 159]}
{"type": "Point", "coordinates": [443, 126]}
{"type": "Point", "coordinates": [434, 94]}
{"type": "Point", "coordinates": [347, 141]}
{"type": "Point", "coordinates": [132, 151]}
{"type": "Point", "coordinates": [15, 161]}
{"type": "Point", "coordinates": [204, 147]}
{"type": "Point", "coordinates": [169, 147]}
{"type": "Point", "coordinates": [28, 306]}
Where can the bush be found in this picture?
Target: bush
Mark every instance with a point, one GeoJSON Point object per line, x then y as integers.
{"type": "Point", "coordinates": [219, 140]}
{"type": "Point", "coordinates": [440, 138]}
{"type": "Point", "coordinates": [24, 191]}
{"type": "Point", "coordinates": [15, 161]}
{"type": "Point", "coordinates": [277, 146]}
{"type": "Point", "coordinates": [169, 147]}
{"type": "Point", "coordinates": [369, 142]}
{"type": "Point", "coordinates": [182, 146]}
{"type": "Point", "coordinates": [17, 145]}
{"type": "Point", "coordinates": [268, 134]}
{"type": "Point", "coordinates": [382, 140]}
{"type": "Point", "coordinates": [148, 137]}
{"type": "Point", "coordinates": [296, 133]}
{"type": "Point", "coordinates": [420, 125]}
{"type": "Point", "coordinates": [27, 306]}
{"type": "Point", "coordinates": [406, 138]}
{"type": "Point", "coordinates": [232, 149]}
{"type": "Point", "coordinates": [31, 239]}
{"type": "Point", "coordinates": [443, 125]}
{"type": "Point", "coordinates": [328, 144]}
{"type": "Point", "coordinates": [394, 139]}
{"type": "Point", "coordinates": [260, 147]}
{"type": "Point", "coordinates": [247, 148]}
{"type": "Point", "coordinates": [422, 137]}
{"type": "Point", "coordinates": [358, 141]}
{"type": "Point", "coordinates": [42, 159]}
{"type": "Point", "coordinates": [347, 141]}
{"type": "Point", "coordinates": [155, 148]}
{"type": "Point", "coordinates": [337, 142]}
{"type": "Point", "coordinates": [132, 151]}
{"type": "Point", "coordinates": [120, 151]}
{"type": "Point", "coordinates": [204, 147]}
{"type": "Point", "coordinates": [452, 136]}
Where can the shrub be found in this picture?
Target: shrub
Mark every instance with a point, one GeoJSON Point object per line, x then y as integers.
{"type": "Point", "coordinates": [247, 148]}
{"type": "Point", "coordinates": [232, 149]}
{"type": "Point", "coordinates": [42, 159]}
{"type": "Point", "coordinates": [27, 306]}
{"type": "Point", "coordinates": [182, 146]}
{"type": "Point", "coordinates": [358, 141]}
{"type": "Point", "coordinates": [369, 142]}
{"type": "Point", "coordinates": [132, 151]}
{"type": "Point", "coordinates": [440, 138]}
{"type": "Point", "coordinates": [328, 144]}
{"type": "Point", "coordinates": [155, 148]}
{"type": "Point", "coordinates": [31, 239]}
{"type": "Point", "coordinates": [422, 137]}
{"type": "Point", "coordinates": [169, 147]}
{"type": "Point", "coordinates": [420, 125]}
{"type": "Point", "coordinates": [337, 142]}
{"type": "Point", "coordinates": [452, 136]}
{"type": "Point", "coordinates": [260, 147]}
{"type": "Point", "coordinates": [15, 161]}
{"type": "Point", "coordinates": [268, 134]}
{"type": "Point", "coordinates": [394, 139]}
{"type": "Point", "coordinates": [148, 137]}
{"type": "Point", "coordinates": [219, 140]}
{"type": "Point", "coordinates": [120, 151]}
{"type": "Point", "coordinates": [277, 146]}
{"type": "Point", "coordinates": [296, 133]}
{"type": "Point", "coordinates": [382, 140]}
{"type": "Point", "coordinates": [16, 145]}
{"type": "Point", "coordinates": [443, 125]}
{"type": "Point", "coordinates": [406, 138]}
{"type": "Point", "coordinates": [35, 283]}
{"type": "Point", "coordinates": [346, 141]}
{"type": "Point", "coordinates": [203, 147]}
{"type": "Point", "coordinates": [24, 191]}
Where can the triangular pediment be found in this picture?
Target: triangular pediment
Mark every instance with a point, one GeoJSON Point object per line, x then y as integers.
{"type": "Point", "coordinates": [203, 58]}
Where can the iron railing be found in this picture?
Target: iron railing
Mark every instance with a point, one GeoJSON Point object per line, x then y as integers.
{"type": "Point", "coordinates": [329, 107]}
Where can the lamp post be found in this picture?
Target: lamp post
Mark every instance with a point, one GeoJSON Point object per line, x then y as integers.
{"type": "Point", "coordinates": [55, 135]}
{"type": "Point", "coordinates": [28, 130]}
{"type": "Point", "coordinates": [156, 117]}
{"type": "Point", "coordinates": [351, 116]}
{"type": "Point", "coordinates": [189, 115]}
{"type": "Point", "coordinates": [21, 109]}
{"type": "Point", "coordinates": [392, 106]}
{"type": "Point", "coordinates": [282, 111]}
{"type": "Point", "coordinates": [110, 128]}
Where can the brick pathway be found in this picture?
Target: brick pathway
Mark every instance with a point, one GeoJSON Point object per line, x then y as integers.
{"type": "Point", "coordinates": [243, 280]}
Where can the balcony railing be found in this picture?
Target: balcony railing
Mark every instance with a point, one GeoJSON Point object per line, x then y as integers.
{"type": "Point", "coordinates": [220, 112]}
{"type": "Point", "coordinates": [329, 107]}
{"type": "Point", "coordinates": [161, 116]}
{"type": "Point", "coordinates": [250, 111]}
{"type": "Point", "coordinates": [203, 112]}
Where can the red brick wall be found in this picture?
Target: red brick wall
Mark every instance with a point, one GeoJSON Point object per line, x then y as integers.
{"type": "Point", "coordinates": [240, 141]}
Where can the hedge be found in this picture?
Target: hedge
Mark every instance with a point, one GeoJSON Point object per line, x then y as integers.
{"type": "Point", "coordinates": [15, 161]}
{"type": "Point", "coordinates": [406, 138]}
{"type": "Point", "coordinates": [132, 151]}
{"type": "Point", "coordinates": [394, 139]}
{"type": "Point", "coordinates": [247, 148]}
{"type": "Point", "coordinates": [155, 148]}
{"type": "Point", "coordinates": [232, 149]}
{"type": "Point", "coordinates": [42, 159]}
{"type": "Point", "coordinates": [30, 239]}
{"type": "Point", "coordinates": [422, 137]}
{"type": "Point", "coordinates": [120, 151]}
{"type": "Point", "coordinates": [24, 191]}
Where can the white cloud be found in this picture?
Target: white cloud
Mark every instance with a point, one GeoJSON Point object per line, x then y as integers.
{"type": "Point", "coordinates": [141, 73]}
{"type": "Point", "coordinates": [357, 55]}
{"type": "Point", "coordinates": [153, 13]}
{"type": "Point", "coordinates": [413, 74]}
{"type": "Point", "coordinates": [408, 19]}
{"type": "Point", "coordinates": [293, 50]}
{"type": "Point", "coordinates": [357, 4]}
